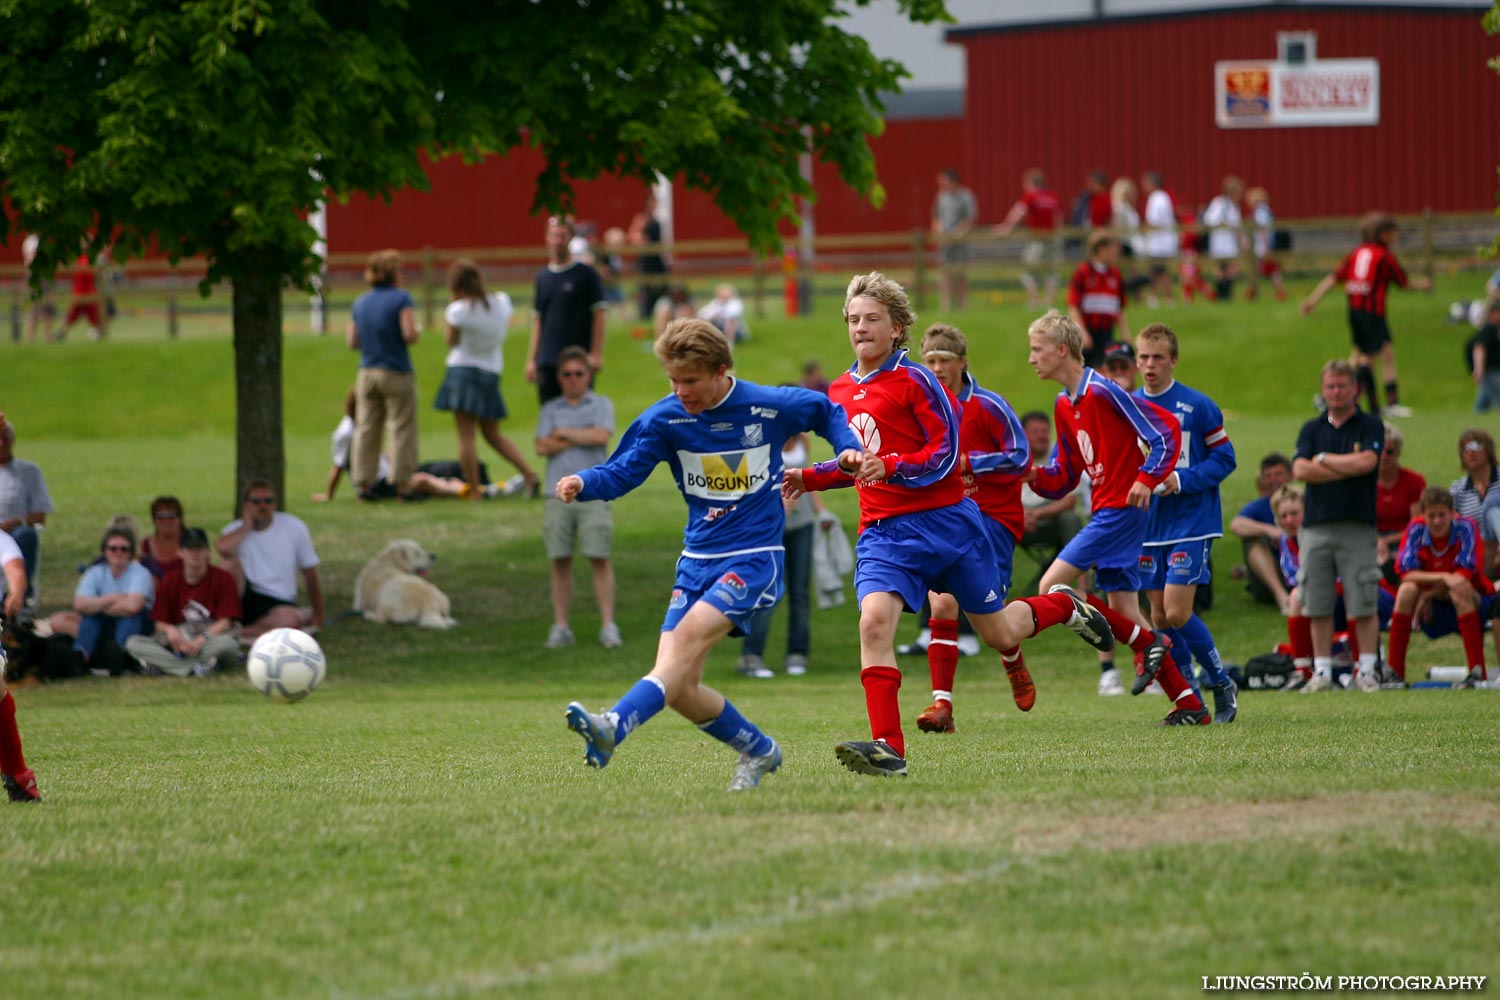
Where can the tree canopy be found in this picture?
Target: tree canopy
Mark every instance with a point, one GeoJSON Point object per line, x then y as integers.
{"type": "Point", "coordinates": [212, 127]}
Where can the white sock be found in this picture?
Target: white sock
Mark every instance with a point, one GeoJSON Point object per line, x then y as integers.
{"type": "Point", "coordinates": [1323, 666]}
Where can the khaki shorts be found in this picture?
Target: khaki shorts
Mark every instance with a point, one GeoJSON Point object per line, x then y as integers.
{"type": "Point", "coordinates": [1338, 551]}
{"type": "Point", "coordinates": [586, 524]}
{"type": "Point", "coordinates": [1044, 251]}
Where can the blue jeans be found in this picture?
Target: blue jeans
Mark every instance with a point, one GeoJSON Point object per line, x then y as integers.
{"type": "Point", "coordinates": [1487, 392]}
{"type": "Point", "coordinates": [798, 597]}
{"type": "Point", "coordinates": [30, 544]}
{"type": "Point", "coordinates": [94, 628]}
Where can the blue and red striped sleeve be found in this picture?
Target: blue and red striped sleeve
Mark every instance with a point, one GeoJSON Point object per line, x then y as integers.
{"type": "Point", "coordinates": [1156, 427]}
{"type": "Point", "coordinates": [932, 405]}
{"type": "Point", "coordinates": [1013, 457]}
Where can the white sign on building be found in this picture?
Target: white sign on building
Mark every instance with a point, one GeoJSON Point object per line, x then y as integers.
{"type": "Point", "coordinates": [1268, 94]}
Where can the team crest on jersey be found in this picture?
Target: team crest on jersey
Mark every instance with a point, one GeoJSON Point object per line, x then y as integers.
{"type": "Point", "coordinates": [679, 599]}
{"type": "Point", "coordinates": [1147, 564]}
{"type": "Point", "coordinates": [725, 476]}
{"type": "Point", "coordinates": [864, 427]}
{"type": "Point", "coordinates": [754, 434]}
{"type": "Point", "coordinates": [1179, 559]}
{"type": "Point", "coordinates": [734, 583]}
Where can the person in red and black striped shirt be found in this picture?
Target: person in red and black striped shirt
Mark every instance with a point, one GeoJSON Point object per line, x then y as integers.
{"type": "Point", "coordinates": [1367, 274]}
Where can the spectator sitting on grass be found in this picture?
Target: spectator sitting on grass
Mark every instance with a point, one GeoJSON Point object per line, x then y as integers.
{"type": "Point", "coordinates": [161, 552]}
{"type": "Point", "coordinates": [112, 600]}
{"type": "Point", "coordinates": [1256, 526]}
{"type": "Point", "coordinates": [726, 312]}
{"type": "Point", "coordinates": [197, 611]}
{"type": "Point", "coordinates": [264, 549]}
{"type": "Point", "coordinates": [430, 479]}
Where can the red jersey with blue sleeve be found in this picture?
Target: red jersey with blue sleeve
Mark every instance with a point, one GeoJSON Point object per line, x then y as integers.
{"type": "Point", "coordinates": [1100, 431]}
{"type": "Point", "coordinates": [1098, 292]}
{"type": "Point", "coordinates": [904, 414]}
{"type": "Point", "coordinates": [1290, 559]}
{"type": "Point", "coordinates": [994, 454]}
{"type": "Point", "coordinates": [725, 460]}
{"type": "Point", "coordinates": [1461, 552]}
{"type": "Point", "coordinates": [1205, 460]}
{"type": "Point", "coordinates": [1367, 274]}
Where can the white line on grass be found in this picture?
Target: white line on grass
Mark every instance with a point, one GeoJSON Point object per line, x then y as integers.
{"type": "Point", "coordinates": [595, 961]}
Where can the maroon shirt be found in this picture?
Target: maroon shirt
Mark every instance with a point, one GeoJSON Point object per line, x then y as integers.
{"type": "Point", "coordinates": [211, 598]}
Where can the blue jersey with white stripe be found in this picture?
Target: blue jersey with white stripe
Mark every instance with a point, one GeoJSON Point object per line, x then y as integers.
{"type": "Point", "coordinates": [726, 461]}
{"type": "Point", "coordinates": [1204, 461]}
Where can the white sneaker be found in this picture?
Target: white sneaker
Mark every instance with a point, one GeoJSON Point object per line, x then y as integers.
{"type": "Point", "coordinates": [1153, 688]}
{"type": "Point", "coordinates": [796, 665]}
{"type": "Point", "coordinates": [1396, 410]}
{"type": "Point", "coordinates": [751, 665]}
{"type": "Point", "coordinates": [1318, 682]}
{"type": "Point", "coordinates": [1109, 683]}
{"type": "Point", "coordinates": [968, 645]}
{"type": "Point", "coordinates": [513, 486]}
{"type": "Point", "coordinates": [609, 636]}
{"type": "Point", "coordinates": [1367, 681]}
{"type": "Point", "coordinates": [559, 636]}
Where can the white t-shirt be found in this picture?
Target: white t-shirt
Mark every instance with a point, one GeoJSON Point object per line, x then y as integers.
{"type": "Point", "coordinates": [720, 311]}
{"type": "Point", "coordinates": [9, 552]}
{"type": "Point", "coordinates": [1222, 216]}
{"type": "Point", "coordinates": [481, 332]}
{"type": "Point", "coordinates": [1161, 216]}
{"type": "Point", "coordinates": [271, 558]}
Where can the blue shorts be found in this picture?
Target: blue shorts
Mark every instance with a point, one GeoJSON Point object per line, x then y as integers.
{"type": "Point", "coordinates": [1004, 544]}
{"type": "Point", "coordinates": [1444, 619]}
{"type": "Point", "coordinates": [1182, 564]}
{"type": "Point", "coordinates": [947, 550]}
{"type": "Point", "coordinates": [739, 586]}
{"type": "Point", "coordinates": [1111, 542]}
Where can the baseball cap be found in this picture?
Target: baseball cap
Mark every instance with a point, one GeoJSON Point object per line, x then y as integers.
{"type": "Point", "coordinates": [1119, 351]}
{"type": "Point", "coordinates": [194, 538]}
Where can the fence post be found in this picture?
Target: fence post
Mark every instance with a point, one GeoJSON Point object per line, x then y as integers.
{"type": "Point", "coordinates": [919, 267]}
{"type": "Point", "coordinates": [429, 285]}
{"type": "Point", "coordinates": [1427, 245]}
{"type": "Point", "coordinates": [15, 317]}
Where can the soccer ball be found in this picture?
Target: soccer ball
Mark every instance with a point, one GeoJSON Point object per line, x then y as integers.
{"type": "Point", "coordinates": [286, 664]}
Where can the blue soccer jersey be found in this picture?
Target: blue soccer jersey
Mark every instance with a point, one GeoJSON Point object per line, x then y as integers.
{"type": "Point", "coordinates": [726, 461]}
{"type": "Point", "coordinates": [1206, 459]}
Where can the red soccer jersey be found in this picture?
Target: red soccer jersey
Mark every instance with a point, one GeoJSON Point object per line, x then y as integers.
{"type": "Point", "coordinates": [1101, 210]}
{"type": "Point", "coordinates": [211, 598]}
{"type": "Point", "coordinates": [1367, 274]}
{"type": "Point", "coordinates": [1100, 432]}
{"type": "Point", "coordinates": [995, 455]}
{"type": "Point", "coordinates": [902, 413]}
{"type": "Point", "coordinates": [1098, 291]}
{"type": "Point", "coordinates": [1043, 210]}
{"type": "Point", "coordinates": [1393, 506]}
{"type": "Point", "coordinates": [83, 277]}
{"type": "Point", "coordinates": [1461, 552]}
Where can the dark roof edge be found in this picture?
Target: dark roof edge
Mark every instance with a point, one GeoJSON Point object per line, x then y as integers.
{"type": "Point", "coordinates": [1472, 9]}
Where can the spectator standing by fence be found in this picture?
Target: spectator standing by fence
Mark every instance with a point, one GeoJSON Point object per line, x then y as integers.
{"type": "Point", "coordinates": [954, 212]}
{"type": "Point", "coordinates": [571, 310]}
{"type": "Point", "coordinates": [646, 229]}
{"type": "Point", "coordinates": [381, 328]}
{"type": "Point", "coordinates": [1043, 212]}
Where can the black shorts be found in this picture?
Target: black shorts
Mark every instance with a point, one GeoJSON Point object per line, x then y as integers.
{"type": "Point", "coordinates": [1094, 356]}
{"type": "Point", "coordinates": [1369, 331]}
{"type": "Point", "coordinates": [254, 605]}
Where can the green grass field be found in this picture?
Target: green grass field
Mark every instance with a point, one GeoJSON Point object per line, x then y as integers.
{"type": "Point", "coordinates": [424, 826]}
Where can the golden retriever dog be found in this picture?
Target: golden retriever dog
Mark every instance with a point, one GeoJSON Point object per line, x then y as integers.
{"type": "Point", "coordinates": [391, 588]}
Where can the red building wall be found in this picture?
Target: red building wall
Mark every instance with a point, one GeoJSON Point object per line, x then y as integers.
{"type": "Point", "coordinates": [1136, 94]}
{"type": "Point", "coordinates": [489, 204]}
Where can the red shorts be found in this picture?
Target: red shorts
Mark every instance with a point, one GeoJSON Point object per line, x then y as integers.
{"type": "Point", "coordinates": [89, 310]}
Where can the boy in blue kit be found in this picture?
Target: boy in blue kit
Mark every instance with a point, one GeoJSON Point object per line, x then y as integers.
{"type": "Point", "coordinates": [722, 438]}
{"type": "Point", "coordinates": [1185, 515]}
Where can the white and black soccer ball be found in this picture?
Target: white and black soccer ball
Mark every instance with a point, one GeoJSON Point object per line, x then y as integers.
{"type": "Point", "coordinates": [286, 664]}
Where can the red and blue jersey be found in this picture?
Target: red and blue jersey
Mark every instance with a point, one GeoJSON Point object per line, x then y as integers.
{"type": "Point", "coordinates": [1205, 460]}
{"type": "Point", "coordinates": [994, 455]}
{"type": "Point", "coordinates": [1290, 559]}
{"type": "Point", "coordinates": [1461, 552]}
{"type": "Point", "coordinates": [1101, 431]}
{"type": "Point", "coordinates": [904, 414]}
{"type": "Point", "coordinates": [725, 460]}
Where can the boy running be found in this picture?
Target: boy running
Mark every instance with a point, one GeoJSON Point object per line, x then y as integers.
{"type": "Point", "coordinates": [1100, 428]}
{"type": "Point", "coordinates": [722, 437]}
{"type": "Point", "coordinates": [1367, 274]}
{"type": "Point", "coordinates": [1185, 516]}
{"type": "Point", "coordinates": [993, 457]}
{"type": "Point", "coordinates": [918, 532]}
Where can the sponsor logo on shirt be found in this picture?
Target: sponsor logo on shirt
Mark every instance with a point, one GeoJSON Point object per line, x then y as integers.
{"type": "Point", "coordinates": [763, 411]}
{"type": "Point", "coordinates": [679, 599]}
{"type": "Point", "coordinates": [1094, 469]}
{"type": "Point", "coordinates": [1179, 560]}
{"type": "Point", "coordinates": [714, 513]}
{"type": "Point", "coordinates": [864, 427]}
{"type": "Point", "coordinates": [725, 476]}
{"type": "Point", "coordinates": [1147, 564]}
{"type": "Point", "coordinates": [722, 426]}
{"type": "Point", "coordinates": [683, 420]}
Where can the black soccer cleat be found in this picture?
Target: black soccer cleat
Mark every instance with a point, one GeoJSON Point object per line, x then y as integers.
{"type": "Point", "coordinates": [1151, 661]}
{"type": "Point", "coordinates": [1087, 622]}
{"type": "Point", "coordinates": [873, 757]}
{"type": "Point", "coordinates": [1187, 717]}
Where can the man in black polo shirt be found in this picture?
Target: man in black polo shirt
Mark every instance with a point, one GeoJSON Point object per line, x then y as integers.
{"type": "Point", "coordinates": [570, 312]}
{"type": "Point", "coordinates": [1337, 454]}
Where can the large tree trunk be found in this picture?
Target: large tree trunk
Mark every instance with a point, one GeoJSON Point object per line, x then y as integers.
{"type": "Point", "coordinates": [260, 452]}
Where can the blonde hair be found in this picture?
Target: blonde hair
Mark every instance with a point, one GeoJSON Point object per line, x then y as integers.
{"type": "Point", "coordinates": [694, 343]}
{"type": "Point", "coordinates": [1160, 332]}
{"type": "Point", "coordinates": [947, 339]}
{"type": "Point", "coordinates": [1287, 494]}
{"type": "Point", "coordinates": [383, 267]}
{"type": "Point", "coordinates": [1061, 330]}
{"type": "Point", "coordinates": [889, 294]}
